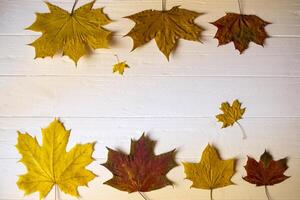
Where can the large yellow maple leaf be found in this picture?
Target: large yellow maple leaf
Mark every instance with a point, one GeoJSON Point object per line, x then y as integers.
{"type": "Point", "coordinates": [74, 34]}
{"type": "Point", "coordinates": [49, 164]}
{"type": "Point", "coordinates": [211, 172]}
{"type": "Point", "coordinates": [165, 26]}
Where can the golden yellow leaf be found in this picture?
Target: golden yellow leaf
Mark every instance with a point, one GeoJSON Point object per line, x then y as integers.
{"type": "Point", "coordinates": [165, 26]}
{"type": "Point", "coordinates": [74, 34]}
{"type": "Point", "coordinates": [49, 164]}
{"type": "Point", "coordinates": [231, 113]}
{"type": "Point", "coordinates": [211, 172]}
{"type": "Point", "coordinates": [120, 67]}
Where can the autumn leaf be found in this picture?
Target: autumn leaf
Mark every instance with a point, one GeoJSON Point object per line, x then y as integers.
{"type": "Point", "coordinates": [231, 114]}
{"type": "Point", "coordinates": [266, 172]}
{"type": "Point", "coordinates": [166, 27]}
{"type": "Point", "coordinates": [74, 34]}
{"type": "Point", "coordinates": [211, 172]}
{"type": "Point", "coordinates": [49, 164]}
{"type": "Point", "coordinates": [141, 170]}
{"type": "Point", "coordinates": [120, 66]}
{"type": "Point", "coordinates": [241, 30]}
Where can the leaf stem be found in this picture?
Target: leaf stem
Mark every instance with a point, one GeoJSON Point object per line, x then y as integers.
{"type": "Point", "coordinates": [74, 5]}
{"type": "Point", "coordinates": [117, 58]}
{"type": "Point", "coordinates": [240, 6]}
{"type": "Point", "coordinates": [57, 196]}
{"type": "Point", "coordinates": [55, 193]}
{"type": "Point", "coordinates": [143, 195]}
{"type": "Point", "coordinates": [211, 194]}
{"type": "Point", "coordinates": [243, 131]}
{"type": "Point", "coordinates": [267, 193]}
{"type": "Point", "coordinates": [163, 5]}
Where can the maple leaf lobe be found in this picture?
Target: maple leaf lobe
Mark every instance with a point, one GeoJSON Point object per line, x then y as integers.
{"type": "Point", "coordinates": [141, 170]}
{"type": "Point", "coordinates": [266, 157]}
{"type": "Point", "coordinates": [49, 164]}
{"type": "Point", "coordinates": [166, 27]}
{"type": "Point", "coordinates": [74, 34]}
{"type": "Point", "coordinates": [267, 171]}
{"type": "Point", "coordinates": [241, 30]}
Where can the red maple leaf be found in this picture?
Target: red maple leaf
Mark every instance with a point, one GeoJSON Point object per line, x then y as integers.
{"type": "Point", "coordinates": [141, 170]}
{"type": "Point", "coordinates": [241, 30]}
{"type": "Point", "coordinates": [267, 171]}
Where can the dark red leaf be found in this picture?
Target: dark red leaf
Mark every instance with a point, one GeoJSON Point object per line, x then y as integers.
{"type": "Point", "coordinates": [267, 171]}
{"type": "Point", "coordinates": [141, 170]}
{"type": "Point", "coordinates": [241, 30]}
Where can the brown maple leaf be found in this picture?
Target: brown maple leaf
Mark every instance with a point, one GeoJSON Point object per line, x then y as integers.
{"type": "Point", "coordinates": [241, 30]}
{"type": "Point", "coordinates": [141, 170]}
{"type": "Point", "coordinates": [267, 171]}
{"type": "Point", "coordinates": [166, 27]}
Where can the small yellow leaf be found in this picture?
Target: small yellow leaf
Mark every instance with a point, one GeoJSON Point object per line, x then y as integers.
{"type": "Point", "coordinates": [231, 113]}
{"type": "Point", "coordinates": [49, 164]}
{"type": "Point", "coordinates": [211, 172]}
{"type": "Point", "coordinates": [166, 27]}
{"type": "Point", "coordinates": [74, 34]}
{"type": "Point", "coordinates": [120, 67]}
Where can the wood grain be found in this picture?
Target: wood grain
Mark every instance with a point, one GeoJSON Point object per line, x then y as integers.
{"type": "Point", "coordinates": [146, 96]}
{"type": "Point", "coordinates": [189, 59]}
{"type": "Point", "coordinates": [188, 135]}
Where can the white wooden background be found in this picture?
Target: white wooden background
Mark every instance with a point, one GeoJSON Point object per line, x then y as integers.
{"type": "Point", "coordinates": [175, 102]}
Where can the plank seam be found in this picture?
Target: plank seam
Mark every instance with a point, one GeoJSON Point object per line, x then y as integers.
{"type": "Point", "coordinates": [121, 36]}
{"type": "Point", "coordinates": [140, 117]}
{"type": "Point", "coordinates": [154, 76]}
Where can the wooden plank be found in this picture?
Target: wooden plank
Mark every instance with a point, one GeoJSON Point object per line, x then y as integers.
{"type": "Point", "coordinates": [283, 14]}
{"type": "Point", "coordinates": [146, 96]}
{"type": "Point", "coordinates": [280, 57]}
{"type": "Point", "coordinates": [242, 190]}
{"type": "Point", "coordinates": [188, 135]}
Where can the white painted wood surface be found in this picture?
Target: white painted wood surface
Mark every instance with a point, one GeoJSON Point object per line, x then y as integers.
{"type": "Point", "coordinates": [175, 102]}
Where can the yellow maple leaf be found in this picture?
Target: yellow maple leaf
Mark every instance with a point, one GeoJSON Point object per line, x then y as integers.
{"type": "Point", "coordinates": [165, 26]}
{"type": "Point", "coordinates": [120, 67]}
{"type": "Point", "coordinates": [231, 113]}
{"type": "Point", "coordinates": [75, 33]}
{"type": "Point", "coordinates": [211, 172]}
{"type": "Point", "coordinates": [49, 164]}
